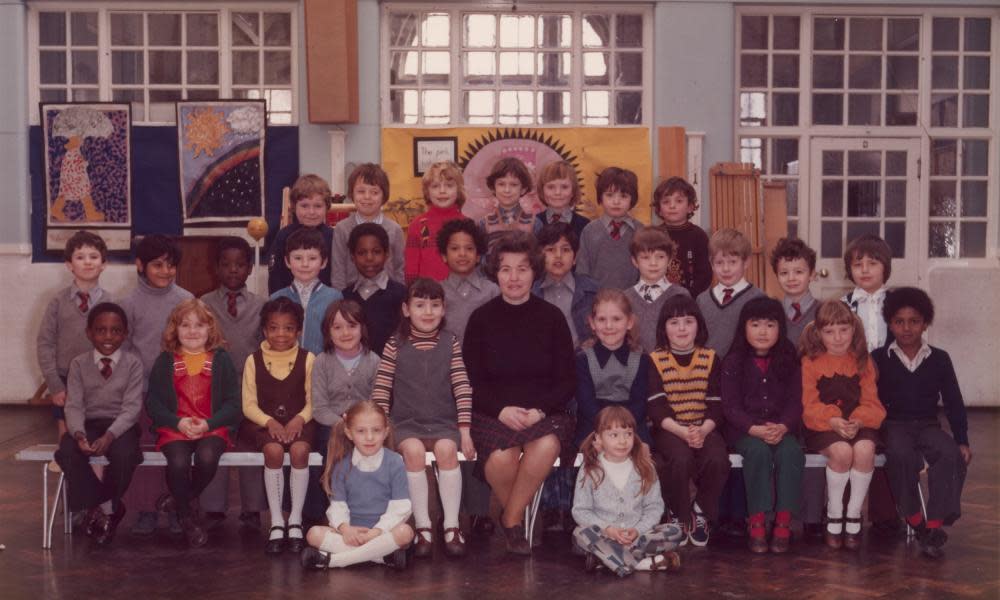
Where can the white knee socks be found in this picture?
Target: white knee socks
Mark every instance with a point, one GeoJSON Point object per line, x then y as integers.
{"type": "Point", "coordinates": [450, 488]}
{"type": "Point", "coordinates": [352, 555]}
{"type": "Point", "coordinates": [274, 485]}
{"type": "Point", "coordinates": [835, 485]}
{"type": "Point", "coordinates": [418, 497]}
{"type": "Point", "coordinates": [859, 489]}
{"type": "Point", "coordinates": [299, 481]}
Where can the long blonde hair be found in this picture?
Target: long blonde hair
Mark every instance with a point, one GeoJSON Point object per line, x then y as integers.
{"type": "Point", "coordinates": [619, 299]}
{"type": "Point", "coordinates": [616, 416]}
{"type": "Point", "coordinates": [170, 341]}
{"type": "Point", "coordinates": [835, 312]}
{"type": "Point", "coordinates": [340, 445]}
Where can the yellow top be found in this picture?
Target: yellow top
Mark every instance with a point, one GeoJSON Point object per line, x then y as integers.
{"type": "Point", "coordinates": [194, 362]}
{"type": "Point", "coordinates": [279, 365]}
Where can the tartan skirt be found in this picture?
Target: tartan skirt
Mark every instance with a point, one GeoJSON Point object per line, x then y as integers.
{"type": "Point", "coordinates": [490, 435]}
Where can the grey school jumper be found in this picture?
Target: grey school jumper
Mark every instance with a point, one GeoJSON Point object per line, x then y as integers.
{"type": "Point", "coordinates": [423, 405]}
{"type": "Point", "coordinates": [722, 320]}
{"type": "Point", "coordinates": [335, 390]}
{"type": "Point", "coordinates": [242, 332]}
{"type": "Point", "coordinates": [607, 261]}
{"type": "Point", "coordinates": [647, 313]}
{"type": "Point", "coordinates": [794, 329]}
{"type": "Point", "coordinates": [91, 396]}
{"type": "Point", "coordinates": [148, 309]}
{"type": "Point", "coordinates": [462, 295]}
{"type": "Point", "coordinates": [62, 335]}
{"type": "Point", "coordinates": [342, 269]}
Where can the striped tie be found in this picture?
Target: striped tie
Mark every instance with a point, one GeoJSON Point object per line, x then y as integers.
{"type": "Point", "coordinates": [106, 367]}
{"type": "Point", "coordinates": [84, 301]}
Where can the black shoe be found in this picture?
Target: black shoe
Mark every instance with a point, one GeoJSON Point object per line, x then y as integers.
{"type": "Point", "coordinates": [214, 520]}
{"type": "Point", "coordinates": [109, 525]}
{"type": "Point", "coordinates": [931, 540]}
{"type": "Point", "coordinates": [313, 559]}
{"type": "Point", "coordinates": [277, 545]}
{"type": "Point", "coordinates": [397, 560]}
{"type": "Point", "coordinates": [193, 531]}
{"type": "Point", "coordinates": [295, 544]}
{"type": "Point", "coordinates": [516, 541]}
{"type": "Point", "coordinates": [590, 563]}
{"type": "Point", "coordinates": [166, 503]}
{"type": "Point", "coordinates": [92, 521]}
{"type": "Point", "coordinates": [250, 520]}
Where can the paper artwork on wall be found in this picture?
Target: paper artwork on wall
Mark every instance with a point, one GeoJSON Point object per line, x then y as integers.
{"type": "Point", "coordinates": [221, 146]}
{"type": "Point", "coordinates": [87, 171]}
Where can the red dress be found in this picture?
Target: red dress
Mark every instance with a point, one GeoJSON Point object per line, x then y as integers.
{"type": "Point", "coordinates": [194, 399]}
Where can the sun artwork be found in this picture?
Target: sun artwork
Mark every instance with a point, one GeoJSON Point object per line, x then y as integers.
{"type": "Point", "coordinates": [205, 130]}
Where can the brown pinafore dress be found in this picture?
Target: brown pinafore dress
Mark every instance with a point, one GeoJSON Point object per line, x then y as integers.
{"type": "Point", "coordinates": [282, 399]}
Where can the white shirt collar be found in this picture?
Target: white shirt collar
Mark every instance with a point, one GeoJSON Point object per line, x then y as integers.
{"type": "Point", "coordinates": [911, 365]}
{"type": "Point", "coordinates": [377, 219]}
{"type": "Point", "coordinates": [367, 463]}
{"type": "Point", "coordinates": [860, 295]}
{"type": "Point", "coordinates": [366, 288]}
{"type": "Point", "coordinates": [719, 290]}
{"type": "Point", "coordinates": [114, 356]}
{"type": "Point", "coordinates": [568, 281]}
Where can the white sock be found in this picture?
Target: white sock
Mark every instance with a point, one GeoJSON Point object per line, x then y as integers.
{"type": "Point", "coordinates": [298, 482]}
{"type": "Point", "coordinates": [835, 485]}
{"type": "Point", "coordinates": [645, 564]}
{"type": "Point", "coordinates": [333, 543]}
{"type": "Point", "coordinates": [372, 551]}
{"type": "Point", "coordinates": [859, 489]}
{"type": "Point", "coordinates": [274, 485]}
{"type": "Point", "coordinates": [450, 488]}
{"type": "Point", "coordinates": [106, 507]}
{"type": "Point", "coordinates": [418, 498]}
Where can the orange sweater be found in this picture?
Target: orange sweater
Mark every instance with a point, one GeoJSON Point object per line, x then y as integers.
{"type": "Point", "coordinates": [832, 387]}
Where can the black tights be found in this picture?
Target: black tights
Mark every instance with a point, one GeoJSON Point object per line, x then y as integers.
{"type": "Point", "coordinates": [184, 482]}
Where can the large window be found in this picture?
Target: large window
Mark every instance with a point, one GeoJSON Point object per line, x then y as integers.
{"type": "Point", "coordinates": [585, 66]}
{"type": "Point", "coordinates": [152, 58]}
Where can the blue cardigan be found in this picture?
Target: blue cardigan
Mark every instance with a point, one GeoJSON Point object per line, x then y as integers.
{"type": "Point", "coordinates": [583, 299]}
{"type": "Point", "coordinates": [312, 330]}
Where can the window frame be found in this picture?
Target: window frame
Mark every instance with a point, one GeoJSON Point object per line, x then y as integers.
{"type": "Point", "coordinates": [457, 47]}
{"type": "Point", "coordinates": [104, 85]}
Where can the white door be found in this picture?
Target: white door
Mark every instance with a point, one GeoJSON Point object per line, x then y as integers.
{"type": "Point", "coordinates": [858, 186]}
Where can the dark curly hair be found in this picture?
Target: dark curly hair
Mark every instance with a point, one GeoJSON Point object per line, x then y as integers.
{"type": "Point", "coordinates": [454, 226]}
{"type": "Point", "coordinates": [784, 356]}
{"type": "Point", "coordinates": [680, 306]}
{"type": "Point", "coordinates": [903, 297]}
{"type": "Point", "coordinates": [151, 247]}
{"type": "Point", "coordinates": [515, 242]}
{"type": "Point", "coordinates": [231, 242]}
{"type": "Point", "coordinates": [282, 306]}
{"type": "Point", "coordinates": [792, 249]}
{"type": "Point", "coordinates": [373, 229]}
{"type": "Point", "coordinates": [106, 307]}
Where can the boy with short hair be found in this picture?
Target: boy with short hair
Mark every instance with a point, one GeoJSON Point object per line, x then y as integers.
{"type": "Point", "coordinates": [794, 263]}
{"type": "Point", "coordinates": [62, 335]}
{"type": "Point", "coordinates": [868, 263]}
{"type": "Point", "coordinates": [147, 309]}
{"type": "Point", "coordinates": [675, 201]}
{"type": "Point", "coordinates": [913, 377]}
{"type": "Point", "coordinates": [103, 403]}
{"type": "Point", "coordinates": [559, 190]}
{"type": "Point", "coordinates": [652, 254]}
{"type": "Point", "coordinates": [237, 311]}
{"type": "Point", "coordinates": [310, 201]}
{"type": "Point", "coordinates": [306, 256]}
{"type": "Point", "coordinates": [729, 251]}
{"type": "Point", "coordinates": [509, 180]}
{"type": "Point", "coordinates": [573, 294]}
{"type": "Point", "coordinates": [368, 186]}
{"type": "Point", "coordinates": [378, 295]}
{"type": "Point", "coordinates": [604, 245]}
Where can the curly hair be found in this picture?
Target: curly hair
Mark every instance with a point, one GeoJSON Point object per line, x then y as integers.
{"type": "Point", "coordinates": [515, 242]}
{"type": "Point", "coordinates": [282, 306]}
{"type": "Point", "coordinates": [784, 356]}
{"type": "Point", "coordinates": [106, 307]}
{"type": "Point", "coordinates": [171, 342]}
{"type": "Point", "coordinates": [835, 312]}
{"type": "Point", "coordinates": [232, 242]}
{"type": "Point", "coordinates": [792, 249]}
{"type": "Point", "coordinates": [903, 297]}
{"type": "Point", "coordinates": [467, 226]}
{"type": "Point", "coordinates": [373, 229]}
{"type": "Point", "coordinates": [674, 185]}
{"type": "Point", "coordinates": [611, 417]}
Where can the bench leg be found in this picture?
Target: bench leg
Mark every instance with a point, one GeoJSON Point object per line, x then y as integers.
{"type": "Point", "coordinates": [531, 512]}
{"type": "Point", "coordinates": [55, 509]}
{"type": "Point", "coordinates": [67, 516]}
{"type": "Point", "coordinates": [45, 505]}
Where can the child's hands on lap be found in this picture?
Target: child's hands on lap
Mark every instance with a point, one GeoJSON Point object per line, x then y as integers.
{"type": "Point", "coordinates": [353, 536]}
{"type": "Point", "coordinates": [515, 417]}
{"type": "Point", "coordinates": [200, 426]}
{"type": "Point", "coordinates": [187, 426]}
{"type": "Point", "coordinates": [59, 398]}
{"type": "Point", "coordinates": [370, 535]}
{"type": "Point", "coordinates": [617, 534]}
{"type": "Point", "coordinates": [468, 448]}
{"type": "Point", "coordinates": [101, 444]}
{"type": "Point", "coordinates": [83, 444]}
{"type": "Point", "coordinates": [695, 436]}
{"type": "Point", "coordinates": [275, 430]}
{"type": "Point", "coordinates": [775, 433]}
{"type": "Point", "coordinates": [293, 429]}
{"type": "Point", "coordinates": [842, 427]}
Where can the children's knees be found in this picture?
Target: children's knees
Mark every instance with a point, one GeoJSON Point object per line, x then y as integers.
{"type": "Point", "coordinates": [315, 535]}
{"type": "Point", "coordinates": [446, 454]}
{"type": "Point", "coordinates": [402, 534]}
{"type": "Point", "coordinates": [298, 455]}
{"type": "Point", "coordinates": [839, 456]}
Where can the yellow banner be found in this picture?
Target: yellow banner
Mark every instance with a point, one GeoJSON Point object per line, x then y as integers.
{"type": "Point", "coordinates": [407, 152]}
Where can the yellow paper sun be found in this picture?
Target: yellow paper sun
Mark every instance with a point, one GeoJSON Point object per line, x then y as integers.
{"type": "Point", "coordinates": [204, 131]}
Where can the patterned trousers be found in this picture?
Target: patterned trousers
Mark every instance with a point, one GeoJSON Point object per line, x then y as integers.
{"type": "Point", "coordinates": [620, 559]}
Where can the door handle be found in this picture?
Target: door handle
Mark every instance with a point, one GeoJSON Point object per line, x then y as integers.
{"type": "Point", "coordinates": [824, 273]}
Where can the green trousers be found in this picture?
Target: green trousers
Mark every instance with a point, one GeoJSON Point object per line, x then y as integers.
{"type": "Point", "coordinates": [760, 459]}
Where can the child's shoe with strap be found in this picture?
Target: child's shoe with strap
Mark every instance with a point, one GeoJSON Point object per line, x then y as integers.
{"type": "Point", "coordinates": [313, 559]}
{"type": "Point", "coordinates": [758, 534]}
{"type": "Point", "coordinates": [698, 533]}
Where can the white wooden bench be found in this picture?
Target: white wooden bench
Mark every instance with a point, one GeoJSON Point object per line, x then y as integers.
{"type": "Point", "coordinates": [44, 453]}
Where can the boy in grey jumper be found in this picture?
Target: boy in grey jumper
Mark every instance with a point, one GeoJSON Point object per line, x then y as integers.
{"type": "Point", "coordinates": [604, 244]}
{"type": "Point", "coordinates": [62, 334]}
{"type": "Point", "coordinates": [794, 263]}
{"type": "Point", "coordinates": [238, 313]}
{"type": "Point", "coordinates": [729, 251]}
{"type": "Point", "coordinates": [652, 252]}
{"type": "Point", "coordinates": [461, 244]}
{"type": "Point", "coordinates": [147, 308]}
{"type": "Point", "coordinates": [103, 402]}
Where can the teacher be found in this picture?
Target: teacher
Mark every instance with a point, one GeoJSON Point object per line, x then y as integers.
{"type": "Point", "coordinates": [519, 355]}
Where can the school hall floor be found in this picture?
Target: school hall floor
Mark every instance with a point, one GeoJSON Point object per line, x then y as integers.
{"type": "Point", "coordinates": [233, 564]}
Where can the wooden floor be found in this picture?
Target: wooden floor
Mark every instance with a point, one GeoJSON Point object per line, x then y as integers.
{"type": "Point", "coordinates": [233, 565]}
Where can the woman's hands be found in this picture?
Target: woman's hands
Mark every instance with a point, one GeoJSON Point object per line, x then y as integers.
{"type": "Point", "coordinates": [518, 418]}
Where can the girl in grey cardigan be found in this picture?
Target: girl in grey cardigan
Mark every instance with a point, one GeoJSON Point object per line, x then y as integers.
{"type": "Point", "coordinates": [617, 504]}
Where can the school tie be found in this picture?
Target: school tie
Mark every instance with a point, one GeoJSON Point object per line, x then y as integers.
{"type": "Point", "coordinates": [616, 230]}
{"type": "Point", "coordinates": [727, 296]}
{"type": "Point", "coordinates": [84, 301]}
{"type": "Point", "coordinates": [106, 367]}
{"type": "Point", "coordinates": [798, 312]}
{"type": "Point", "coordinates": [647, 291]}
{"type": "Point", "coordinates": [231, 302]}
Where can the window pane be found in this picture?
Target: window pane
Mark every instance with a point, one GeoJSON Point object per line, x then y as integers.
{"type": "Point", "coordinates": [437, 106]}
{"type": "Point", "coordinates": [83, 29]}
{"type": "Point", "coordinates": [164, 66]}
{"type": "Point", "coordinates": [403, 29]}
{"type": "Point", "coordinates": [279, 100]}
{"type": "Point", "coordinates": [517, 68]}
{"type": "Point", "coordinates": [203, 94]}
{"type": "Point", "coordinates": [945, 34]}
{"type": "Point", "coordinates": [277, 29]}
{"type": "Point", "coordinates": [596, 108]}
{"type": "Point", "coordinates": [554, 68]}
{"type": "Point", "coordinates": [895, 198]}
{"type": "Point", "coordinates": [831, 243]}
{"type": "Point", "coordinates": [202, 67]}
{"type": "Point", "coordinates": [975, 110]}
{"type": "Point", "coordinates": [628, 108]}
{"type": "Point", "coordinates": [828, 109]}
{"type": "Point", "coordinates": [246, 68]}
{"type": "Point", "coordinates": [596, 31]}
{"type": "Point", "coordinates": [628, 68]}
{"type": "Point", "coordinates": [51, 29]}
{"type": "Point", "coordinates": [976, 73]}
{"type": "Point", "coordinates": [403, 67]}
{"type": "Point", "coordinates": [403, 106]}
{"type": "Point", "coordinates": [792, 196]}
{"type": "Point", "coordinates": [277, 67]}
{"type": "Point", "coordinates": [480, 31]}
{"type": "Point", "coordinates": [86, 95]}
{"type": "Point", "coordinates": [863, 199]}
{"type": "Point", "coordinates": [942, 196]}
{"type": "Point", "coordinates": [628, 31]}
{"type": "Point", "coordinates": [164, 29]}
{"type": "Point", "coordinates": [161, 105]}
{"type": "Point", "coordinates": [974, 157]}
{"type": "Point", "coordinates": [973, 240]}
{"type": "Point", "coordinates": [944, 72]}
{"type": "Point", "coordinates": [751, 150]}
{"type": "Point", "coordinates": [786, 33]}
{"type": "Point", "coordinates": [860, 228]}
{"type": "Point", "coordinates": [828, 71]}
{"type": "Point", "coordinates": [786, 109]}
{"type": "Point", "coordinates": [895, 236]}
{"type": "Point", "coordinates": [944, 110]}
{"type": "Point", "coordinates": [52, 66]}
{"type": "Point", "coordinates": [126, 29]}
{"type": "Point", "coordinates": [786, 70]}
{"type": "Point", "coordinates": [480, 67]}
{"type": "Point", "coordinates": [973, 198]}
{"type": "Point", "coordinates": [901, 109]}
{"type": "Point", "coordinates": [944, 157]}
{"type": "Point", "coordinates": [435, 68]}
{"type": "Point", "coordinates": [595, 68]}
{"type": "Point", "coordinates": [753, 70]}
{"type": "Point", "coordinates": [202, 29]}
{"type": "Point", "coordinates": [435, 30]}
{"type": "Point", "coordinates": [516, 107]}
{"type": "Point", "coordinates": [828, 34]}
{"type": "Point", "coordinates": [864, 162]}
{"type": "Point", "coordinates": [50, 95]}
{"type": "Point", "coordinates": [942, 240]}
{"type": "Point", "coordinates": [517, 31]}
{"type": "Point", "coordinates": [864, 71]}
{"type": "Point", "coordinates": [833, 198]}
{"type": "Point", "coordinates": [127, 67]}
{"type": "Point", "coordinates": [833, 162]}
{"type": "Point", "coordinates": [895, 163]}
{"type": "Point", "coordinates": [553, 107]}
{"type": "Point", "coordinates": [901, 73]}
{"type": "Point", "coordinates": [977, 35]}
{"type": "Point", "coordinates": [555, 31]}
{"type": "Point", "coordinates": [85, 66]}
{"type": "Point", "coordinates": [753, 109]}
{"type": "Point", "coordinates": [866, 34]}
{"type": "Point", "coordinates": [479, 107]}
{"type": "Point", "coordinates": [753, 33]}
{"type": "Point", "coordinates": [784, 156]}
{"type": "Point", "coordinates": [904, 34]}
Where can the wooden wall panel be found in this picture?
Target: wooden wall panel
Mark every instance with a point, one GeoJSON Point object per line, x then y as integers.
{"type": "Point", "coordinates": [331, 28]}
